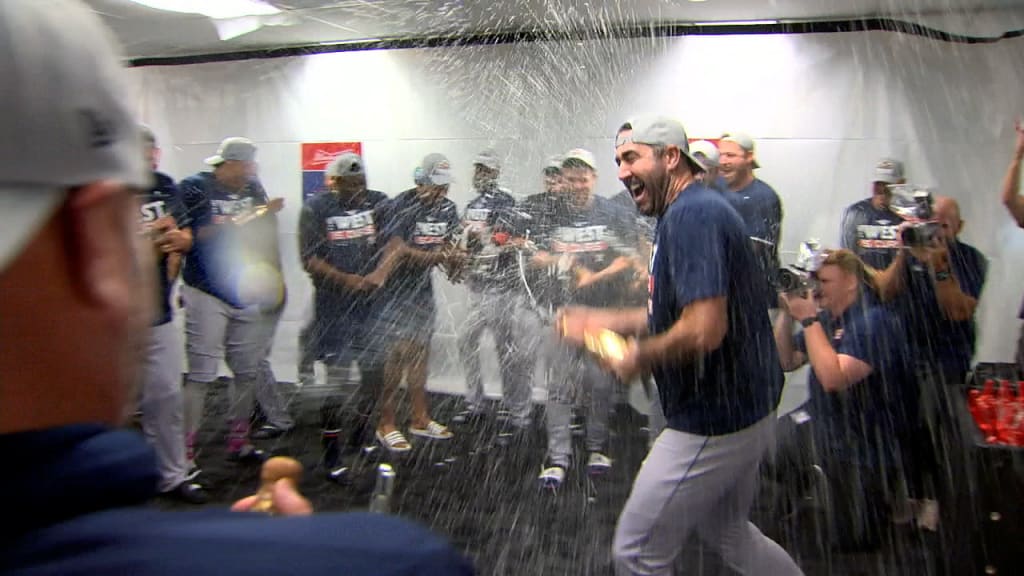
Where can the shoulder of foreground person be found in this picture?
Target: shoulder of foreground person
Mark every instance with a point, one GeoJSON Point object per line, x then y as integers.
{"type": "Point", "coordinates": [153, 542]}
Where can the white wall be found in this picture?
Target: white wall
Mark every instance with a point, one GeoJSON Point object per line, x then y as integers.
{"type": "Point", "coordinates": [822, 108]}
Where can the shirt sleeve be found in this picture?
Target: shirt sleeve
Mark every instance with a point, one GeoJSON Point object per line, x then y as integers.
{"type": "Point", "coordinates": [697, 250]}
{"type": "Point", "coordinates": [176, 207]}
{"type": "Point", "coordinates": [197, 204]}
{"type": "Point", "coordinates": [862, 337]}
{"type": "Point", "coordinates": [971, 272]}
{"type": "Point", "coordinates": [848, 235]}
{"type": "Point", "coordinates": [312, 240]}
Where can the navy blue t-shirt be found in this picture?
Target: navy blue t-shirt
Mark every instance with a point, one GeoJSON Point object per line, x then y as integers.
{"type": "Point", "coordinates": [938, 341]}
{"type": "Point", "coordinates": [701, 252]}
{"type": "Point", "coordinates": [595, 236]}
{"type": "Point", "coordinates": [215, 264]}
{"type": "Point", "coordinates": [421, 226]}
{"type": "Point", "coordinates": [102, 526]}
{"type": "Point", "coordinates": [872, 234]}
{"type": "Point", "coordinates": [162, 200]}
{"type": "Point", "coordinates": [761, 210]}
{"type": "Point", "coordinates": [344, 232]}
{"type": "Point", "coordinates": [492, 211]}
{"type": "Point", "coordinates": [867, 422]}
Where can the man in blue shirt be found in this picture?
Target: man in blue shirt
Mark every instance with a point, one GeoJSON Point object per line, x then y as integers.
{"type": "Point", "coordinates": [164, 221]}
{"type": "Point", "coordinates": [863, 393]}
{"type": "Point", "coordinates": [234, 293]}
{"type": "Point", "coordinates": [757, 203]}
{"type": "Point", "coordinates": [593, 243]}
{"type": "Point", "coordinates": [708, 342]}
{"type": "Point", "coordinates": [421, 226]}
{"type": "Point", "coordinates": [71, 346]}
{"type": "Point", "coordinates": [340, 245]}
{"type": "Point", "coordinates": [870, 228]}
{"type": "Point", "coordinates": [496, 298]}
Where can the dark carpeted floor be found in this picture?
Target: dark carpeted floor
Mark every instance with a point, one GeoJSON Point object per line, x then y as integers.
{"type": "Point", "coordinates": [480, 490]}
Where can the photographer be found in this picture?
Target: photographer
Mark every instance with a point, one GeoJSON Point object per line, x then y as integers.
{"type": "Point", "coordinates": [934, 283]}
{"type": "Point", "coordinates": [1014, 203]}
{"type": "Point", "coordinates": [863, 392]}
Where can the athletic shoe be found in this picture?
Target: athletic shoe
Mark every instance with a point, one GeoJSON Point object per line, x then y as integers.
{"type": "Point", "coordinates": [267, 432]}
{"type": "Point", "coordinates": [552, 476]}
{"type": "Point", "coordinates": [247, 454]}
{"type": "Point", "coordinates": [598, 464]}
{"type": "Point", "coordinates": [188, 492]}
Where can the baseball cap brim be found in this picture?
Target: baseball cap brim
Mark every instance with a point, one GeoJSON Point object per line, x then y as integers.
{"type": "Point", "coordinates": [214, 160]}
{"type": "Point", "coordinates": [440, 177]}
{"type": "Point", "coordinates": [24, 211]}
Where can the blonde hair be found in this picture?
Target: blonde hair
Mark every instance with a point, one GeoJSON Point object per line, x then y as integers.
{"type": "Point", "coordinates": [850, 263]}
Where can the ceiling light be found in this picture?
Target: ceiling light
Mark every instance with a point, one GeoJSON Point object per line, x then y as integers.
{"type": "Point", "coordinates": [737, 23]}
{"type": "Point", "coordinates": [219, 10]}
{"type": "Point", "coordinates": [354, 41]}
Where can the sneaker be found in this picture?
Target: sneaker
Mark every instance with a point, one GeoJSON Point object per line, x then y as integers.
{"type": "Point", "coordinates": [193, 472]}
{"type": "Point", "coordinates": [598, 464]}
{"type": "Point", "coordinates": [267, 432]}
{"type": "Point", "coordinates": [188, 492]}
{"type": "Point", "coordinates": [247, 454]}
{"type": "Point", "coordinates": [552, 476]}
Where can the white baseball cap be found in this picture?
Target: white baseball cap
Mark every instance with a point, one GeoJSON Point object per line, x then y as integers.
{"type": "Point", "coordinates": [345, 164]}
{"type": "Point", "coordinates": [64, 114]}
{"type": "Point", "coordinates": [580, 155]}
{"type": "Point", "coordinates": [743, 140]}
{"type": "Point", "coordinates": [706, 152]}
{"type": "Point", "coordinates": [889, 170]}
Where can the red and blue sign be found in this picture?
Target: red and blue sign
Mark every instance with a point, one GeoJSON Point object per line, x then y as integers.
{"type": "Point", "coordinates": [315, 158]}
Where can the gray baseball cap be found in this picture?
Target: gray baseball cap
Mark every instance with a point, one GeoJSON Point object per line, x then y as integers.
{"type": "Point", "coordinates": [706, 152]}
{"type": "Point", "coordinates": [889, 171]}
{"type": "Point", "coordinates": [234, 148]}
{"type": "Point", "coordinates": [346, 164]}
{"type": "Point", "coordinates": [66, 117]}
{"type": "Point", "coordinates": [488, 158]}
{"type": "Point", "coordinates": [744, 141]}
{"type": "Point", "coordinates": [435, 170]}
{"type": "Point", "coordinates": [660, 131]}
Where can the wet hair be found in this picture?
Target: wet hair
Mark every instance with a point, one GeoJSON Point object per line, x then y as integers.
{"type": "Point", "coordinates": [850, 263]}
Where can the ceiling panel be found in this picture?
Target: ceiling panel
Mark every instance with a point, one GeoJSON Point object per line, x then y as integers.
{"type": "Point", "coordinates": [145, 32]}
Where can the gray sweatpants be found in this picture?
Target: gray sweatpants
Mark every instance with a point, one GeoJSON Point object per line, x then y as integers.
{"type": "Point", "coordinates": [161, 403]}
{"type": "Point", "coordinates": [514, 329]}
{"type": "Point", "coordinates": [242, 337]}
{"type": "Point", "coordinates": [704, 484]}
{"type": "Point", "coordinates": [575, 375]}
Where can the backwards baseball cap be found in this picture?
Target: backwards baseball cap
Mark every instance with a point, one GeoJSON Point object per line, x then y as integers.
{"type": "Point", "coordinates": [234, 148]}
{"type": "Point", "coordinates": [743, 141]}
{"type": "Point", "coordinates": [659, 131]}
{"type": "Point", "coordinates": [579, 155]}
{"type": "Point", "coordinates": [889, 171]}
{"type": "Point", "coordinates": [434, 171]}
{"type": "Point", "coordinates": [705, 152]}
{"type": "Point", "coordinates": [345, 164]}
{"type": "Point", "coordinates": [65, 117]}
{"type": "Point", "coordinates": [488, 159]}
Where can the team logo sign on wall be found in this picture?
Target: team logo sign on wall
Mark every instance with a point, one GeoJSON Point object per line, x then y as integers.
{"type": "Point", "coordinates": [315, 158]}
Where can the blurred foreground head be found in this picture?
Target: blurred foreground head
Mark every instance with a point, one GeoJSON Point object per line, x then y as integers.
{"type": "Point", "coordinates": [76, 289]}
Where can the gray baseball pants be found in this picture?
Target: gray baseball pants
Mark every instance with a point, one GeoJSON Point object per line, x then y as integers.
{"type": "Point", "coordinates": [242, 337]}
{"type": "Point", "coordinates": [515, 330]}
{"type": "Point", "coordinates": [697, 483]}
{"type": "Point", "coordinates": [575, 375]}
{"type": "Point", "coordinates": [161, 403]}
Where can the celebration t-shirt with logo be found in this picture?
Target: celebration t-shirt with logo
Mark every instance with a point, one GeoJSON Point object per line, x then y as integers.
{"type": "Point", "coordinates": [218, 262]}
{"type": "Point", "coordinates": [592, 238]}
{"type": "Point", "coordinates": [344, 232]}
{"type": "Point", "coordinates": [421, 226]}
{"type": "Point", "coordinates": [871, 233]}
{"type": "Point", "coordinates": [491, 213]}
{"type": "Point", "coordinates": [161, 200]}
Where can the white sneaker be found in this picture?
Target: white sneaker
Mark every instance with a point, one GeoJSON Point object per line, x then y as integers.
{"type": "Point", "coordinates": [552, 476]}
{"type": "Point", "coordinates": [598, 464]}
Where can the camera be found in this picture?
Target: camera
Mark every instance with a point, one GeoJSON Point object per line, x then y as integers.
{"type": "Point", "coordinates": [800, 277]}
{"type": "Point", "coordinates": [914, 204]}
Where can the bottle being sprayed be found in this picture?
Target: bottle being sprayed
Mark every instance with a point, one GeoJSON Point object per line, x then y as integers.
{"type": "Point", "coordinates": [381, 500]}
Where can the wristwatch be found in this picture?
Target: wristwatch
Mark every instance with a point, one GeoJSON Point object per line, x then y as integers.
{"type": "Point", "coordinates": [808, 322]}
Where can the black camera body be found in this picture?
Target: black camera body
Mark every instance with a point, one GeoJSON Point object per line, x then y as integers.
{"type": "Point", "coordinates": [914, 204]}
{"type": "Point", "coordinates": [800, 277]}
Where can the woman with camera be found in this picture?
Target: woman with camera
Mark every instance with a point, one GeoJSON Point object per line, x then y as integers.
{"type": "Point", "coordinates": [863, 394]}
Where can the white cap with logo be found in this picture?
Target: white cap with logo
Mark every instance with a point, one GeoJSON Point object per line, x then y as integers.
{"type": "Point", "coordinates": [64, 114]}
